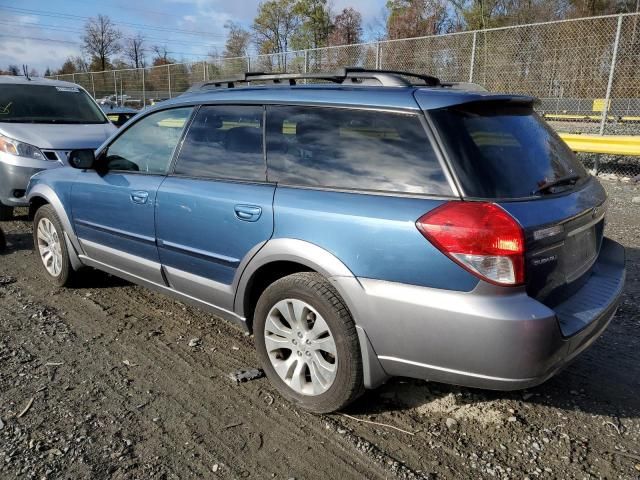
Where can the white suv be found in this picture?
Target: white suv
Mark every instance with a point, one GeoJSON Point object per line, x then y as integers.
{"type": "Point", "coordinates": [40, 122]}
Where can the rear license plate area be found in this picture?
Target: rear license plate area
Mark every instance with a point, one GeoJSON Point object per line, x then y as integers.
{"type": "Point", "coordinates": [580, 251]}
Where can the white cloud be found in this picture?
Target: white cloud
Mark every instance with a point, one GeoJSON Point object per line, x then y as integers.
{"type": "Point", "coordinates": [36, 54]}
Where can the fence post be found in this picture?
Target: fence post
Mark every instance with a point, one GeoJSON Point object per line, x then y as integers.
{"type": "Point", "coordinates": [605, 108]}
{"type": "Point", "coordinates": [144, 92]}
{"type": "Point", "coordinates": [73, 77]}
{"type": "Point", "coordinates": [306, 62]}
{"type": "Point", "coordinates": [93, 86]}
{"type": "Point", "coordinates": [204, 70]}
{"type": "Point", "coordinates": [115, 86]}
{"type": "Point", "coordinates": [248, 63]}
{"type": "Point", "coordinates": [378, 59]}
{"type": "Point", "coordinates": [169, 79]}
{"type": "Point", "coordinates": [473, 57]}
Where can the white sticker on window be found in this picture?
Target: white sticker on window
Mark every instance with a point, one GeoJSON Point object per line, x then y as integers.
{"type": "Point", "coordinates": [68, 89]}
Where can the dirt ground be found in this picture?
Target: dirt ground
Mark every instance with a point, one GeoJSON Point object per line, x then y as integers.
{"type": "Point", "coordinates": [101, 382]}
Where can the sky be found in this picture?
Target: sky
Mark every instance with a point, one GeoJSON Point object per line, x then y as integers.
{"type": "Point", "coordinates": [43, 33]}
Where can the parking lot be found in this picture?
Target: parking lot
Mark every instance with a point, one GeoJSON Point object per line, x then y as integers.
{"type": "Point", "coordinates": [110, 380]}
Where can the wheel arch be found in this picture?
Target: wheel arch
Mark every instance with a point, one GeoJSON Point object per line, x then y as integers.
{"type": "Point", "coordinates": [41, 195]}
{"type": "Point", "coordinates": [281, 257]}
{"type": "Point", "coordinates": [276, 259]}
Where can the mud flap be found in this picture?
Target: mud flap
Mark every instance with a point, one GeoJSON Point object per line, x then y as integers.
{"type": "Point", "coordinates": [374, 374]}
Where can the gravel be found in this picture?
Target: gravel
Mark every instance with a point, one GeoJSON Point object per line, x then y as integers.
{"type": "Point", "coordinates": [171, 411]}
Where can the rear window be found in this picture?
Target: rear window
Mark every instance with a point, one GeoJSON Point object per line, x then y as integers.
{"type": "Point", "coordinates": [503, 151]}
{"type": "Point", "coordinates": [351, 149]}
{"type": "Point", "coordinates": [47, 104]}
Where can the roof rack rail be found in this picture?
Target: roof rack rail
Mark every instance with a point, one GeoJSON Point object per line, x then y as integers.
{"type": "Point", "coordinates": [343, 76]}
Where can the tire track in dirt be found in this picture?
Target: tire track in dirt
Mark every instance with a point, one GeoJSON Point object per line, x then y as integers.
{"type": "Point", "coordinates": [177, 403]}
{"type": "Point", "coordinates": [580, 424]}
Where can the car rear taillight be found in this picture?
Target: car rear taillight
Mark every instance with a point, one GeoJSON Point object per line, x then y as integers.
{"type": "Point", "coordinates": [479, 236]}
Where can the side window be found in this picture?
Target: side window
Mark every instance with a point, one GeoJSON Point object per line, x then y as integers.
{"type": "Point", "coordinates": [224, 141]}
{"type": "Point", "coordinates": [353, 149]}
{"type": "Point", "coordinates": [148, 145]}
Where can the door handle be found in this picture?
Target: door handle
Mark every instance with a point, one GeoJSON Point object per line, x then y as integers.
{"type": "Point", "coordinates": [248, 213]}
{"type": "Point", "coordinates": [139, 196]}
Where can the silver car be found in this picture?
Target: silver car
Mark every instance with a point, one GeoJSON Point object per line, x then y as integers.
{"type": "Point", "coordinates": [40, 122]}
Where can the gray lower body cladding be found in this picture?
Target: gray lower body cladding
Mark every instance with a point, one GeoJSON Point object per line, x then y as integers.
{"type": "Point", "coordinates": [491, 337]}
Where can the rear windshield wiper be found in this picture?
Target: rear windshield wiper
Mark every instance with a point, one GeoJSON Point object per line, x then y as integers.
{"type": "Point", "coordinates": [570, 179]}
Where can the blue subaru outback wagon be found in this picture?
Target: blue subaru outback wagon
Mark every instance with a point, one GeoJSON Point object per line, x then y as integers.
{"type": "Point", "coordinates": [362, 224]}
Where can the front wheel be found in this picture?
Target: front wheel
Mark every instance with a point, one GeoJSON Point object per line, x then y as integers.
{"type": "Point", "coordinates": [49, 245]}
{"type": "Point", "coordinates": [307, 343]}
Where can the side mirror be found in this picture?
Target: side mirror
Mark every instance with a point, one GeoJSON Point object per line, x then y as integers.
{"type": "Point", "coordinates": [82, 159]}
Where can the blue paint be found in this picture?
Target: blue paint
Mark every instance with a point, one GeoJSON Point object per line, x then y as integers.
{"type": "Point", "coordinates": [374, 236]}
{"type": "Point", "coordinates": [105, 213]}
{"type": "Point", "coordinates": [198, 220]}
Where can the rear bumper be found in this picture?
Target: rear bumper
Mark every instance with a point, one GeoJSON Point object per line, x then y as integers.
{"type": "Point", "coordinates": [15, 173]}
{"type": "Point", "coordinates": [491, 337]}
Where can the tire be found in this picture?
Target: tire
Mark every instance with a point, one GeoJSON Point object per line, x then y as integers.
{"type": "Point", "coordinates": [6, 213]}
{"type": "Point", "coordinates": [48, 233]}
{"type": "Point", "coordinates": [328, 382]}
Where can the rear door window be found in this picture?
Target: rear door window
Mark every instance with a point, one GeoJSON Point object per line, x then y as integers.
{"type": "Point", "coordinates": [352, 149]}
{"type": "Point", "coordinates": [224, 141]}
{"type": "Point", "coordinates": [504, 151]}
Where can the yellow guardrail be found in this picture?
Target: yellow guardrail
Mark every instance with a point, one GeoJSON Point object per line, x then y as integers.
{"type": "Point", "coordinates": [607, 144]}
{"type": "Point", "coordinates": [575, 117]}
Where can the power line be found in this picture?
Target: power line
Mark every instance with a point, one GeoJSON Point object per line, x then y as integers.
{"type": "Point", "coordinates": [57, 28]}
{"type": "Point", "coordinates": [42, 39]}
{"type": "Point", "coordinates": [122, 6]}
{"type": "Point", "coordinates": [45, 13]}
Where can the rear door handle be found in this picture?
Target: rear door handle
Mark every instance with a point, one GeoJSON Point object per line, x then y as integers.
{"type": "Point", "coordinates": [139, 196]}
{"type": "Point", "coordinates": [248, 213]}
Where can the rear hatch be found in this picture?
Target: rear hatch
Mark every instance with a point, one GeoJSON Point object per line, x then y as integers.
{"type": "Point", "coordinates": [502, 151]}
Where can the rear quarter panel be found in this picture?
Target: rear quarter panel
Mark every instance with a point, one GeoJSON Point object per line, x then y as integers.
{"type": "Point", "coordinates": [373, 235]}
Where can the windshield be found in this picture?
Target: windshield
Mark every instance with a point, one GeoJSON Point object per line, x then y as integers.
{"type": "Point", "coordinates": [505, 151]}
{"type": "Point", "coordinates": [47, 104]}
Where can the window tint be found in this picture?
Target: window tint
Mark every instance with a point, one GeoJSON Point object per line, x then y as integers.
{"type": "Point", "coordinates": [147, 146]}
{"type": "Point", "coordinates": [351, 149]}
{"type": "Point", "coordinates": [502, 151]}
{"type": "Point", "coordinates": [47, 104]}
{"type": "Point", "coordinates": [224, 142]}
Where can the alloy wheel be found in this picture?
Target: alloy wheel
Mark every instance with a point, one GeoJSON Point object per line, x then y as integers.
{"type": "Point", "coordinates": [49, 247]}
{"type": "Point", "coordinates": [301, 347]}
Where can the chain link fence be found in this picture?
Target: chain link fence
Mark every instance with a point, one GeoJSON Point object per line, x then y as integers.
{"type": "Point", "coordinates": [586, 72]}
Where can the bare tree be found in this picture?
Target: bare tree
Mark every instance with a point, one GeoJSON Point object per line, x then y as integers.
{"type": "Point", "coordinates": [414, 18]}
{"type": "Point", "coordinates": [161, 55]}
{"type": "Point", "coordinates": [135, 50]}
{"type": "Point", "coordinates": [238, 40]}
{"type": "Point", "coordinates": [81, 64]}
{"type": "Point", "coordinates": [101, 39]}
{"type": "Point", "coordinates": [347, 28]}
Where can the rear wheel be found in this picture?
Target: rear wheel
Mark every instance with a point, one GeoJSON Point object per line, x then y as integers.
{"type": "Point", "coordinates": [49, 244]}
{"type": "Point", "coordinates": [6, 213]}
{"type": "Point", "coordinates": [307, 343]}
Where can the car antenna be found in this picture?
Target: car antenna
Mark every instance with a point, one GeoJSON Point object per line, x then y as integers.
{"type": "Point", "coordinates": [25, 70]}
